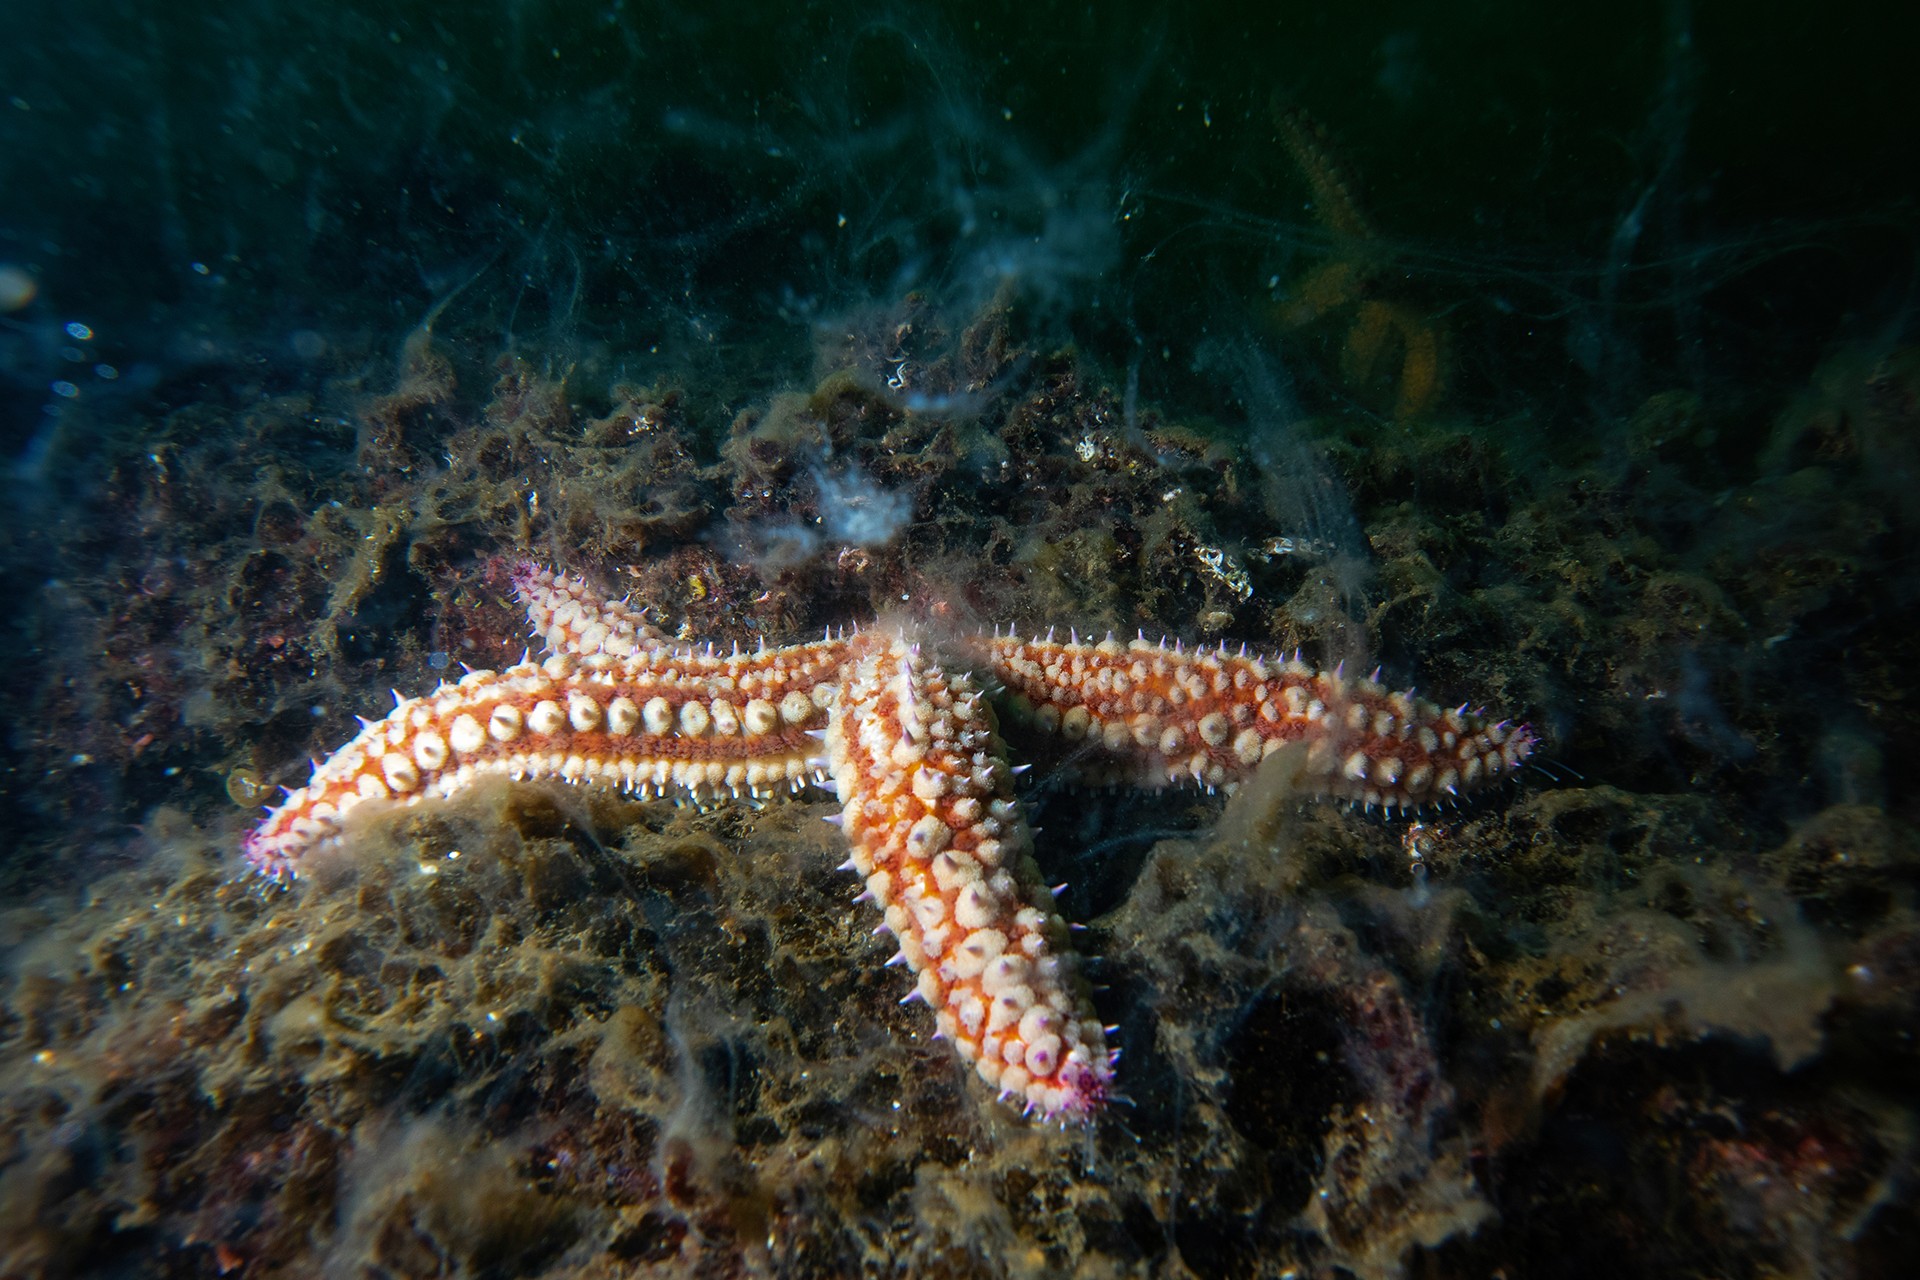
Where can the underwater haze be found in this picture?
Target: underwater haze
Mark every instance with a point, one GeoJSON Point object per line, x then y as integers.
{"type": "Point", "coordinates": [1560, 362]}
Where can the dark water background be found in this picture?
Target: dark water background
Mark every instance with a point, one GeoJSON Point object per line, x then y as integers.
{"type": "Point", "coordinates": [1620, 198]}
{"type": "Point", "coordinates": [1656, 497]}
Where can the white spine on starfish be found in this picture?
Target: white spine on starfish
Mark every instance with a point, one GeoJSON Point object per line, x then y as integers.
{"type": "Point", "coordinates": [945, 852]}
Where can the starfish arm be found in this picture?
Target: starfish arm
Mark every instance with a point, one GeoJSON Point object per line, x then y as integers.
{"type": "Point", "coordinates": [571, 618]}
{"type": "Point", "coordinates": [747, 726]}
{"type": "Point", "coordinates": [945, 850]}
{"type": "Point", "coordinates": [1155, 715]}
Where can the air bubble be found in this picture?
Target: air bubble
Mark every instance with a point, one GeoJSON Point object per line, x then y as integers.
{"type": "Point", "coordinates": [78, 332]}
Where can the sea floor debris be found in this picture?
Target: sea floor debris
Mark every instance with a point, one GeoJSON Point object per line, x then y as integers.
{"type": "Point", "coordinates": [539, 1031]}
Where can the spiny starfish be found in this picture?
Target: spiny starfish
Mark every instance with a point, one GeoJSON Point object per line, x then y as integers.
{"type": "Point", "coordinates": [913, 752]}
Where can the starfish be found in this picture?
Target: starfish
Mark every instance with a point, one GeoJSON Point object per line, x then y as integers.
{"type": "Point", "coordinates": [911, 747]}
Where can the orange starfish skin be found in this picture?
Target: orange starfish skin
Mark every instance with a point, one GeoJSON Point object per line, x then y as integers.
{"type": "Point", "coordinates": [616, 704]}
{"type": "Point", "coordinates": [913, 752]}
{"type": "Point", "coordinates": [693, 724]}
{"type": "Point", "coordinates": [1155, 715]}
{"type": "Point", "coordinates": [941, 842]}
